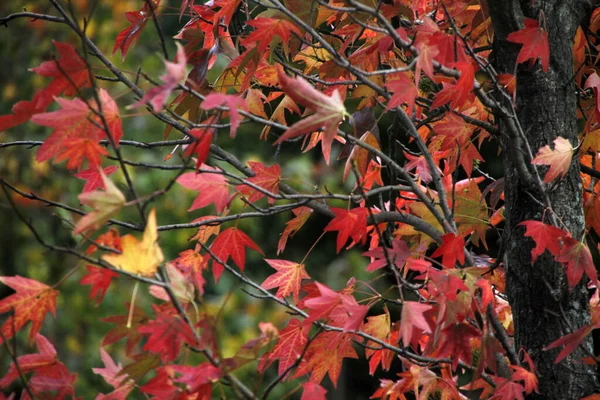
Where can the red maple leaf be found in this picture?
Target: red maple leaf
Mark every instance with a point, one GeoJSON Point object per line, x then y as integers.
{"type": "Point", "coordinates": [293, 225]}
{"type": "Point", "coordinates": [49, 374]}
{"type": "Point", "coordinates": [291, 343]}
{"type": "Point", "coordinates": [323, 304]}
{"type": "Point", "coordinates": [166, 334]}
{"type": "Point", "coordinates": [349, 224]}
{"type": "Point", "coordinates": [451, 250]}
{"type": "Point", "coordinates": [198, 379]}
{"type": "Point", "coordinates": [192, 263]}
{"type": "Point", "coordinates": [200, 146]}
{"type": "Point", "coordinates": [70, 72]}
{"type": "Point", "coordinates": [126, 328]}
{"type": "Point", "coordinates": [397, 254]}
{"type": "Point", "coordinates": [404, 90]}
{"type": "Point", "coordinates": [93, 178]}
{"type": "Point", "coordinates": [213, 188]}
{"type": "Point", "coordinates": [31, 302]}
{"type": "Point", "coordinates": [129, 35]}
{"type": "Point", "coordinates": [267, 178]}
{"type": "Point", "coordinates": [578, 259]}
{"type": "Point", "coordinates": [413, 320]}
{"type": "Point", "coordinates": [114, 375]}
{"type": "Point", "coordinates": [456, 342]}
{"type": "Point", "coordinates": [266, 29]}
{"type": "Point", "coordinates": [157, 96]}
{"type": "Point", "coordinates": [356, 313]}
{"type": "Point", "coordinates": [100, 279]}
{"type": "Point", "coordinates": [328, 111]}
{"type": "Point", "coordinates": [313, 391]}
{"type": "Point", "coordinates": [461, 93]}
{"type": "Point", "coordinates": [232, 242]}
{"type": "Point", "coordinates": [546, 237]}
{"type": "Point", "coordinates": [287, 279]}
{"type": "Point", "coordinates": [535, 43]}
{"type": "Point", "coordinates": [232, 102]}
{"type": "Point", "coordinates": [325, 355]}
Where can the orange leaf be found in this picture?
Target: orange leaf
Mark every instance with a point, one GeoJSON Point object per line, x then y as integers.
{"type": "Point", "coordinates": [31, 302]}
{"type": "Point", "coordinates": [267, 178]}
{"type": "Point", "coordinates": [535, 43]}
{"type": "Point", "coordinates": [558, 159]}
{"type": "Point", "coordinates": [288, 278]}
{"type": "Point", "coordinates": [232, 242]}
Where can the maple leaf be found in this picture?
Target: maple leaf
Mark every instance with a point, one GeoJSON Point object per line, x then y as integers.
{"type": "Point", "coordinates": [114, 376]}
{"type": "Point", "coordinates": [592, 81]}
{"type": "Point", "coordinates": [267, 178]}
{"type": "Point", "coordinates": [266, 29]}
{"type": "Point", "coordinates": [192, 263]}
{"type": "Point", "coordinates": [126, 328]}
{"type": "Point", "coordinates": [360, 156]}
{"type": "Point", "coordinates": [397, 254]}
{"type": "Point", "coordinates": [461, 93]}
{"type": "Point", "coordinates": [451, 250]}
{"type": "Point", "coordinates": [198, 379]}
{"type": "Point", "coordinates": [355, 314]}
{"type": "Point", "coordinates": [139, 257]}
{"type": "Point", "coordinates": [404, 90]}
{"type": "Point", "coordinates": [379, 326]}
{"type": "Point", "coordinates": [105, 203]}
{"type": "Point", "coordinates": [201, 146]}
{"type": "Point", "coordinates": [328, 111]}
{"type": "Point", "coordinates": [508, 390]}
{"type": "Point", "coordinates": [100, 279]}
{"type": "Point", "coordinates": [93, 177]}
{"type": "Point", "coordinates": [206, 231]}
{"type": "Point", "coordinates": [130, 35]}
{"type": "Point", "coordinates": [213, 188]}
{"type": "Point", "coordinates": [181, 286]}
{"type": "Point", "coordinates": [535, 43]}
{"type": "Point", "coordinates": [578, 259]}
{"type": "Point", "coordinates": [157, 96]}
{"type": "Point", "coordinates": [74, 138]}
{"type": "Point", "coordinates": [546, 237]}
{"type": "Point", "coordinates": [570, 341]}
{"type": "Point", "coordinates": [325, 355]}
{"type": "Point", "coordinates": [322, 304]}
{"type": "Point", "coordinates": [166, 334]}
{"type": "Point", "coordinates": [31, 302]}
{"type": "Point", "coordinates": [313, 391]}
{"type": "Point", "coordinates": [456, 342]}
{"type": "Point", "coordinates": [287, 279]}
{"type": "Point", "coordinates": [232, 102]}
{"type": "Point", "coordinates": [293, 225]}
{"type": "Point", "coordinates": [232, 242]}
{"type": "Point", "coordinates": [529, 379]}
{"type": "Point", "coordinates": [559, 158]}
{"type": "Point", "coordinates": [70, 72]}
{"type": "Point", "coordinates": [289, 347]}
{"type": "Point", "coordinates": [412, 319]}
{"type": "Point", "coordinates": [349, 224]}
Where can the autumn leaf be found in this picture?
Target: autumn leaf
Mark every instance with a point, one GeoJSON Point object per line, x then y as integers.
{"type": "Point", "coordinates": [198, 379]}
{"type": "Point", "coordinates": [535, 43]}
{"type": "Point", "coordinates": [559, 158]}
{"type": "Point", "coordinates": [451, 250]}
{"type": "Point", "coordinates": [232, 242]}
{"type": "Point", "coordinates": [325, 355]}
{"type": "Point", "coordinates": [166, 334]}
{"type": "Point", "coordinates": [287, 279]}
{"type": "Point", "coordinates": [139, 257]}
{"type": "Point", "coordinates": [546, 237]}
{"type": "Point", "coordinates": [328, 111]}
{"type": "Point", "coordinates": [192, 263]}
{"type": "Point", "coordinates": [456, 342]}
{"type": "Point", "coordinates": [360, 156]}
{"type": "Point", "coordinates": [578, 259]}
{"type": "Point", "coordinates": [398, 254]}
{"type": "Point", "coordinates": [570, 341]}
{"type": "Point", "coordinates": [93, 177]}
{"type": "Point", "coordinates": [105, 203]}
{"type": "Point", "coordinates": [157, 96]}
{"type": "Point", "coordinates": [126, 328]}
{"type": "Point", "coordinates": [349, 224]}
{"type": "Point", "coordinates": [213, 188]}
{"type": "Point", "coordinates": [181, 285]}
{"type": "Point", "coordinates": [404, 90]}
{"type": "Point", "coordinates": [312, 391]}
{"type": "Point", "coordinates": [265, 31]}
{"type": "Point", "coordinates": [412, 319]}
{"type": "Point", "coordinates": [200, 146]}
{"type": "Point", "coordinates": [99, 278]}
{"type": "Point", "coordinates": [129, 35]}
{"type": "Point", "coordinates": [291, 343]}
{"type": "Point", "coordinates": [114, 376]}
{"type": "Point", "coordinates": [232, 102]}
{"type": "Point", "coordinates": [31, 302]}
{"type": "Point", "coordinates": [267, 178]}
{"type": "Point", "coordinates": [293, 225]}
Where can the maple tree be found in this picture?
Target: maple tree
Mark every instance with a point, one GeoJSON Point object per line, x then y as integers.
{"type": "Point", "coordinates": [475, 281]}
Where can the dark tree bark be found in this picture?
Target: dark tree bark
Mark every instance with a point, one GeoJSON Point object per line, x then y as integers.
{"type": "Point", "coordinates": [544, 308]}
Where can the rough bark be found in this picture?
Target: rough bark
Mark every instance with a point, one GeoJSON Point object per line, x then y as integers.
{"type": "Point", "coordinates": [544, 308]}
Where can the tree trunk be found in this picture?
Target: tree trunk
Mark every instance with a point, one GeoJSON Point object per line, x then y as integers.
{"type": "Point", "coordinates": [544, 308]}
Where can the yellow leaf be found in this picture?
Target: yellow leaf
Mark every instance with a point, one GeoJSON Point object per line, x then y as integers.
{"type": "Point", "coordinates": [137, 257]}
